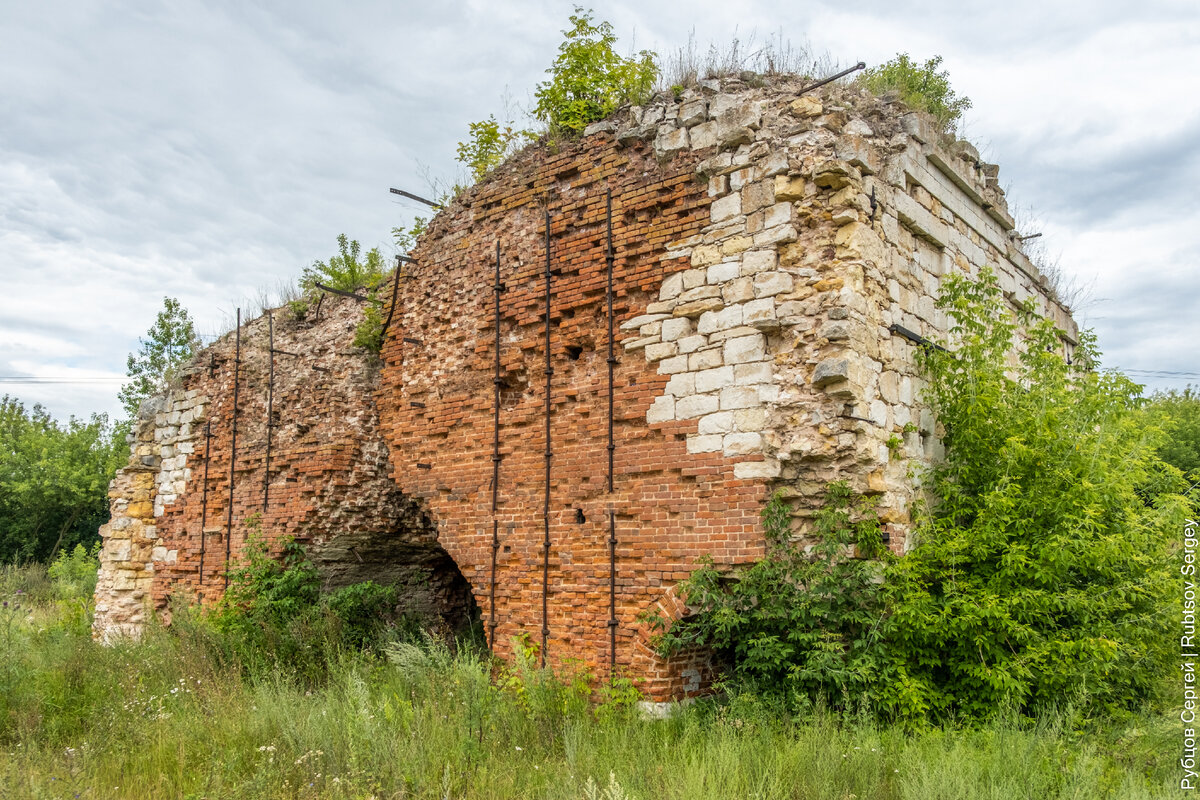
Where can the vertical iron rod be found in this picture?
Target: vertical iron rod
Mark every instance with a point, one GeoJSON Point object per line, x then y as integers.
{"type": "Point", "coordinates": [610, 257]}
{"type": "Point", "coordinates": [204, 501]}
{"type": "Point", "coordinates": [549, 455]}
{"type": "Point", "coordinates": [237, 362]}
{"type": "Point", "coordinates": [497, 289]}
{"type": "Point", "coordinates": [270, 406]}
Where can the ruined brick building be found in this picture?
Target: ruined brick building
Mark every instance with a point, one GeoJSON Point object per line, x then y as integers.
{"type": "Point", "coordinates": [774, 263]}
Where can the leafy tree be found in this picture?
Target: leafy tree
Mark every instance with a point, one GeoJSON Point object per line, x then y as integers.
{"type": "Point", "coordinates": [487, 146]}
{"type": "Point", "coordinates": [588, 79]}
{"type": "Point", "coordinates": [53, 481]}
{"type": "Point", "coordinates": [922, 87]}
{"type": "Point", "coordinates": [348, 271]}
{"type": "Point", "coordinates": [1179, 414]}
{"type": "Point", "coordinates": [170, 342]}
{"type": "Point", "coordinates": [1040, 573]}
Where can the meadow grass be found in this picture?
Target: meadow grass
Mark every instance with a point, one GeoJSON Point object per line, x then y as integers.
{"type": "Point", "coordinates": [179, 715]}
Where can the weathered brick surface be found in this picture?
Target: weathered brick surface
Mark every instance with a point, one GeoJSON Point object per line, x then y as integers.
{"type": "Point", "coordinates": [766, 249]}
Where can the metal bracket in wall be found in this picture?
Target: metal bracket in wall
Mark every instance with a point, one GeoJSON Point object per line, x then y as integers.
{"type": "Point", "coordinates": [914, 337]}
{"type": "Point", "coordinates": [832, 78]}
{"type": "Point", "coordinates": [418, 198]}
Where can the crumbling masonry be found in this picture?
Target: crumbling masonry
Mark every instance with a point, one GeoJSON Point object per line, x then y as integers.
{"type": "Point", "coordinates": [775, 259]}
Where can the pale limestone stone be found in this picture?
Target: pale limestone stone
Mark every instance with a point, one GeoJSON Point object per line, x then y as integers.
{"type": "Point", "coordinates": [672, 287]}
{"type": "Point", "coordinates": [696, 405]}
{"type": "Point", "coordinates": [831, 370]}
{"type": "Point", "coordinates": [661, 410]}
{"type": "Point", "coordinates": [661, 307]}
{"type": "Point", "coordinates": [740, 178]}
{"type": "Point", "coordinates": [118, 549]}
{"type": "Point", "coordinates": [835, 331]}
{"type": "Point", "coordinates": [738, 290]}
{"type": "Point", "coordinates": [778, 214]}
{"type": "Point", "coordinates": [676, 328]}
{"type": "Point", "coordinates": [704, 136]}
{"type": "Point", "coordinates": [720, 422]}
{"type": "Point", "coordinates": [756, 261]}
{"type": "Point", "coordinates": [631, 345]}
{"type": "Point", "coordinates": [736, 244]}
{"type": "Point", "coordinates": [642, 319]}
{"type": "Point", "coordinates": [760, 313]}
{"type": "Point", "coordinates": [758, 195]}
{"type": "Point", "coordinates": [693, 113]}
{"type": "Point", "coordinates": [651, 329]}
{"type": "Point", "coordinates": [780, 234]}
{"type": "Point", "coordinates": [752, 470]}
{"type": "Point", "coordinates": [710, 380]}
{"type": "Point", "coordinates": [735, 397]}
{"type": "Point", "coordinates": [681, 384]}
{"type": "Point", "coordinates": [750, 419]}
{"type": "Point", "coordinates": [704, 359]}
{"type": "Point", "coordinates": [690, 344]}
{"type": "Point", "coordinates": [692, 278]}
{"type": "Point", "coordinates": [769, 284]}
{"type": "Point", "coordinates": [745, 348]}
{"type": "Point", "coordinates": [789, 187]}
{"type": "Point", "coordinates": [699, 293]}
{"type": "Point", "coordinates": [726, 208]}
{"type": "Point", "coordinates": [740, 444]}
{"type": "Point", "coordinates": [660, 350]}
{"type": "Point", "coordinates": [673, 365]}
{"type": "Point", "coordinates": [725, 271]}
{"type": "Point", "coordinates": [704, 444]}
{"type": "Point", "coordinates": [671, 141]}
{"type": "Point", "coordinates": [732, 333]}
{"type": "Point", "coordinates": [697, 308]}
{"type": "Point", "coordinates": [158, 554]}
{"type": "Point", "coordinates": [754, 372]}
{"type": "Point", "coordinates": [806, 106]}
{"type": "Point", "coordinates": [720, 319]}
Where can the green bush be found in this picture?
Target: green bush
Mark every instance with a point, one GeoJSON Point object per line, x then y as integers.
{"type": "Point", "coordinates": [921, 87]}
{"type": "Point", "coordinates": [1040, 574]}
{"type": "Point", "coordinates": [589, 80]}
{"type": "Point", "coordinates": [1179, 415]}
{"type": "Point", "coordinates": [802, 625]}
{"type": "Point", "coordinates": [365, 610]}
{"type": "Point", "coordinates": [349, 271]}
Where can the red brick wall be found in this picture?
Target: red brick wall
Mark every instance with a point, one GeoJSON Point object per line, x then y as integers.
{"type": "Point", "coordinates": [671, 507]}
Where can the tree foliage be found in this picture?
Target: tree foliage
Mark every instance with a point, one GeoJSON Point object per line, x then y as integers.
{"type": "Point", "coordinates": [487, 145]}
{"type": "Point", "coordinates": [53, 481]}
{"type": "Point", "coordinates": [588, 79]}
{"type": "Point", "coordinates": [1179, 415]}
{"type": "Point", "coordinates": [170, 342]}
{"type": "Point", "coordinates": [348, 271]}
{"type": "Point", "coordinates": [1041, 570]}
{"type": "Point", "coordinates": [1040, 573]}
{"type": "Point", "coordinates": [921, 86]}
{"type": "Point", "coordinates": [801, 623]}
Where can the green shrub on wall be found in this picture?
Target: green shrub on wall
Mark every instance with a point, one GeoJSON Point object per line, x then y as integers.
{"type": "Point", "coordinates": [920, 86]}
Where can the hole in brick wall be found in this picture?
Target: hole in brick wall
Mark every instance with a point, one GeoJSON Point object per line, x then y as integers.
{"type": "Point", "coordinates": [574, 351]}
{"type": "Point", "coordinates": [512, 387]}
{"type": "Point", "coordinates": [431, 587]}
{"type": "Point", "coordinates": [579, 517]}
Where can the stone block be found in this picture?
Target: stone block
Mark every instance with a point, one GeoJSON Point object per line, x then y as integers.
{"type": "Point", "coordinates": [725, 271]}
{"type": "Point", "coordinates": [693, 112]}
{"type": "Point", "coordinates": [725, 208]}
{"type": "Point", "coordinates": [698, 307]}
{"type": "Point", "coordinates": [754, 372]}
{"type": "Point", "coordinates": [704, 359]}
{"type": "Point", "coordinates": [710, 380]}
{"type": "Point", "coordinates": [769, 284]}
{"type": "Point", "coordinates": [831, 370]}
{"type": "Point", "coordinates": [660, 350]}
{"type": "Point", "coordinates": [760, 313]}
{"type": "Point", "coordinates": [673, 365]}
{"type": "Point", "coordinates": [806, 106]}
{"type": "Point", "coordinates": [736, 397]}
{"type": "Point", "coordinates": [669, 142]}
{"type": "Point", "coordinates": [756, 261]}
{"type": "Point", "coordinates": [696, 405]}
{"type": "Point", "coordinates": [739, 290]}
{"type": "Point", "coordinates": [690, 344]}
{"type": "Point", "coordinates": [752, 470]}
{"type": "Point", "coordinates": [704, 136]}
{"type": "Point", "coordinates": [760, 194]}
{"type": "Point", "coordinates": [710, 443]}
{"type": "Point", "coordinates": [789, 188]}
{"type": "Point", "coordinates": [745, 348]}
{"type": "Point", "coordinates": [720, 319]}
{"type": "Point", "coordinates": [741, 444]}
{"type": "Point", "coordinates": [672, 287]}
{"type": "Point", "coordinates": [720, 422]}
{"type": "Point", "coordinates": [661, 410]}
{"type": "Point", "coordinates": [780, 234]}
{"type": "Point", "coordinates": [750, 419]}
{"type": "Point", "coordinates": [681, 384]}
{"type": "Point", "coordinates": [676, 328]}
{"type": "Point", "coordinates": [736, 244]}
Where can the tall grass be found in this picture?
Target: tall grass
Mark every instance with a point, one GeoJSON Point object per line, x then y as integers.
{"type": "Point", "coordinates": [175, 715]}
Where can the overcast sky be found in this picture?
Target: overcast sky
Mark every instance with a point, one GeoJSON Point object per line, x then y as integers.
{"type": "Point", "coordinates": [208, 151]}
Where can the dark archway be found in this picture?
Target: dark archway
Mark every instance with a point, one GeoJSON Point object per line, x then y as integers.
{"type": "Point", "coordinates": [433, 590]}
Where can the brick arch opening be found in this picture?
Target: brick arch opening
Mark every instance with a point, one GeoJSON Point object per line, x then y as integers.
{"type": "Point", "coordinates": [408, 555]}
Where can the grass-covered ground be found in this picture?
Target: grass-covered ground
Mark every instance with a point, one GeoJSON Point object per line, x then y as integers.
{"type": "Point", "coordinates": [178, 715]}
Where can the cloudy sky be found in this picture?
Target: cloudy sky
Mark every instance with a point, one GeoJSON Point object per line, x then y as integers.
{"type": "Point", "coordinates": [209, 151]}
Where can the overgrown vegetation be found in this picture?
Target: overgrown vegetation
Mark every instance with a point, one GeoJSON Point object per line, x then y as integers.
{"type": "Point", "coordinates": [170, 343]}
{"type": "Point", "coordinates": [920, 86]}
{"type": "Point", "coordinates": [53, 480]}
{"type": "Point", "coordinates": [1040, 577]}
{"type": "Point", "coordinates": [179, 714]}
{"type": "Point", "coordinates": [1179, 414]}
{"type": "Point", "coordinates": [350, 270]}
{"type": "Point", "coordinates": [589, 80]}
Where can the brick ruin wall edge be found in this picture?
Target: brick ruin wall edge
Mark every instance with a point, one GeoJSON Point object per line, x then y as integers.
{"type": "Point", "coordinates": [772, 255]}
